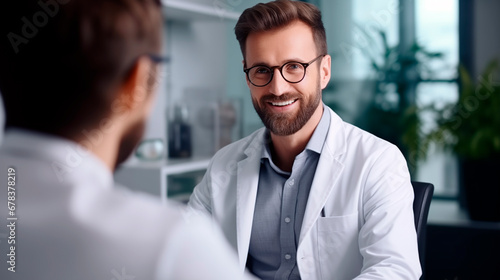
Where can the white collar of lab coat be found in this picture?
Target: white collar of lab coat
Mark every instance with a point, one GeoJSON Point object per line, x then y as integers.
{"type": "Point", "coordinates": [71, 162]}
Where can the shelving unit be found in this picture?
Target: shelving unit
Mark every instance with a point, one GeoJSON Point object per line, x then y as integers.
{"type": "Point", "coordinates": [196, 36]}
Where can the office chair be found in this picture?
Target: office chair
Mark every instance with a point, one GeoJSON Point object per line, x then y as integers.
{"type": "Point", "coordinates": [421, 203]}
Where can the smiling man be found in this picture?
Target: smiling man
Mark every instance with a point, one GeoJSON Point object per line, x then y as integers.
{"type": "Point", "coordinates": [308, 196]}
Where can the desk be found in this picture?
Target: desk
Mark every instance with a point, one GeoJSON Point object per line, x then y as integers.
{"type": "Point", "coordinates": [458, 248]}
{"type": "Point", "coordinates": [449, 213]}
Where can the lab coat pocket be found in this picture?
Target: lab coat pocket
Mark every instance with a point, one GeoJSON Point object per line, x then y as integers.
{"type": "Point", "coordinates": [338, 246]}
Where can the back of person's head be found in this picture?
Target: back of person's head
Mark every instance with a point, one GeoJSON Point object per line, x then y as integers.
{"type": "Point", "coordinates": [62, 61]}
{"type": "Point", "coordinates": [277, 14]}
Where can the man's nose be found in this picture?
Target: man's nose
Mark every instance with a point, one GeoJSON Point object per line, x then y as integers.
{"type": "Point", "coordinates": [278, 84]}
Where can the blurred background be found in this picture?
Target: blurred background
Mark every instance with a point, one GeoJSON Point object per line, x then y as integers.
{"type": "Point", "coordinates": [421, 74]}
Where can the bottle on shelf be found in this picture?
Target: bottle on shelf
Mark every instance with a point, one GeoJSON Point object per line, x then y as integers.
{"type": "Point", "coordinates": [179, 133]}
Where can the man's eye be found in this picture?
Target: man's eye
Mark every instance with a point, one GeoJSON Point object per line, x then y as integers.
{"type": "Point", "coordinates": [262, 70]}
{"type": "Point", "coordinates": [293, 67]}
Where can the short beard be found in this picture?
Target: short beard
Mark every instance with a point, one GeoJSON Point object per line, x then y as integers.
{"type": "Point", "coordinates": [130, 141]}
{"type": "Point", "coordinates": [134, 134]}
{"type": "Point", "coordinates": [284, 124]}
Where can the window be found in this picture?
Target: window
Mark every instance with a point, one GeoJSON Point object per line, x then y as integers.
{"type": "Point", "coordinates": [437, 29]}
{"type": "Point", "coordinates": [354, 30]}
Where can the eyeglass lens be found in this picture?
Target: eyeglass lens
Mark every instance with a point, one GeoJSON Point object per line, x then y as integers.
{"type": "Point", "coordinates": [293, 72]}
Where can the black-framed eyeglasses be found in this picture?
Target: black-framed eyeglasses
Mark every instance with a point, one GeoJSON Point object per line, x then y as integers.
{"type": "Point", "coordinates": [292, 71]}
{"type": "Point", "coordinates": [158, 59]}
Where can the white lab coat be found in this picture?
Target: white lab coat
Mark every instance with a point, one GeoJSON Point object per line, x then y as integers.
{"type": "Point", "coordinates": [363, 185]}
{"type": "Point", "coordinates": [73, 224]}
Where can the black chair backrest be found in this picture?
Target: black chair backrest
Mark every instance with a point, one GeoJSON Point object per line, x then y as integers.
{"type": "Point", "coordinates": [421, 203]}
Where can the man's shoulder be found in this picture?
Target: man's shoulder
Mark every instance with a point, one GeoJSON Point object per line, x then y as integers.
{"type": "Point", "coordinates": [372, 148]}
{"type": "Point", "coordinates": [130, 201]}
{"type": "Point", "coordinates": [243, 147]}
{"type": "Point", "coordinates": [354, 132]}
{"type": "Point", "coordinates": [358, 139]}
{"type": "Point", "coordinates": [352, 135]}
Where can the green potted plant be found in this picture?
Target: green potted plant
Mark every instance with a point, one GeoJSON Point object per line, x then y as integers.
{"type": "Point", "coordinates": [392, 113]}
{"type": "Point", "coordinates": [470, 128]}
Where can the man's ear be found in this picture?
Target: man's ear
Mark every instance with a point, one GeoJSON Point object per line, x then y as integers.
{"type": "Point", "coordinates": [325, 70]}
{"type": "Point", "coordinates": [246, 77]}
{"type": "Point", "coordinates": [134, 89]}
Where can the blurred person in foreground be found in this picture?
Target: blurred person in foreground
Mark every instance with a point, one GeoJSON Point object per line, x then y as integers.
{"type": "Point", "coordinates": [308, 196]}
{"type": "Point", "coordinates": [78, 80]}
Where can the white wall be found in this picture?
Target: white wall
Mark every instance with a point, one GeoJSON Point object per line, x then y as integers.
{"type": "Point", "coordinates": [197, 53]}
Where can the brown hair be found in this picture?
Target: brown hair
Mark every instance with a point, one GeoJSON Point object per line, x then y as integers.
{"type": "Point", "coordinates": [61, 61]}
{"type": "Point", "coordinates": [279, 13]}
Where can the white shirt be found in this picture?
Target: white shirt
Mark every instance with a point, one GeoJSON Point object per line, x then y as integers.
{"type": "Point", "coordinates": [73, 224]}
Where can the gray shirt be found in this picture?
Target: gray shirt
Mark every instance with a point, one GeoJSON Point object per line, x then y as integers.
{"type": "Point", "coordinates": [280, 207]}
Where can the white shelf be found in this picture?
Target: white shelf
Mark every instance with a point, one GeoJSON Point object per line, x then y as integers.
{"type": "Point", "coordinates": [170, 166]}
{"type": "Point", "coordinates": [151, 176]}
{"type": "Point", "coordinates": [189, 11]}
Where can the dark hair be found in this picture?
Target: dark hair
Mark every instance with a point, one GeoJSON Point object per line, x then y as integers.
{"type": "Point", "coordinates": [276, 14]}
{"type": "Point", "coordinates": [61, 61]}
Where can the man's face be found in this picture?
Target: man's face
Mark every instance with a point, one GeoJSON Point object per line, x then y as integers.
{"type": "Point", "coordinates": [286, 107]}
{"type": "Point", "coordinates": [145, 98]}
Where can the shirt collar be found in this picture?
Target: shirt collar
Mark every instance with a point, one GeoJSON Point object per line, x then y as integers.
{"type": "Point", "coordinates": [318, 138]}
{"type": "Point", "coordinates": [70, 161]}
{"type": "Point", "coordinates": [316, 142]}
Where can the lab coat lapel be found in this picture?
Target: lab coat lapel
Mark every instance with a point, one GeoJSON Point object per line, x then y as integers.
{"type": "Point", "coordinates": [246, 195]}
{"type": "Point", "coordinates": [327, 174]}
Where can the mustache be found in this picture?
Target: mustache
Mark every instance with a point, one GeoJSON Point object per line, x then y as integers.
{"type": "Point", "coordinates": [283, 97]}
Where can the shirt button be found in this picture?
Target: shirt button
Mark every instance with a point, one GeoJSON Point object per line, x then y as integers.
{"type": "Point", "coordinates": [287, 220]}
{"type": "Point", "coordinates": [292, 182]}
{"type": "Point", "coordinates": [288, 256]}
